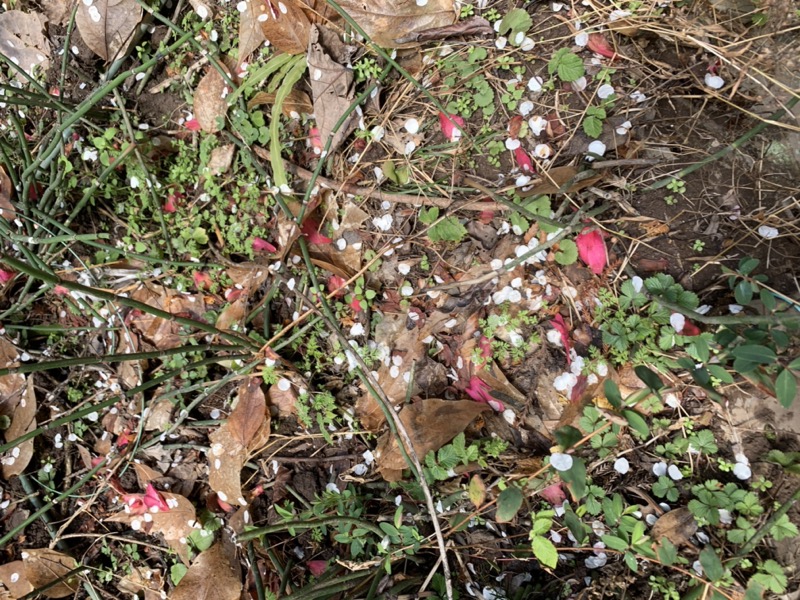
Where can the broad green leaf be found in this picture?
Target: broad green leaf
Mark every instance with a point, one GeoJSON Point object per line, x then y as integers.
{"type": "Point", "coordinates": [576, 527]}
{"type": "Point", "coordinates": [636, 422]}
{"type": "Point", "coordinates": [477, 491]}
{"type": "Point", "coordinates": [712, 567]}
{"type": "Point", "coordinates": [567, 436]}
{"type": "Point", "coordinates": [448, 229]}
{"type": "Point", "coordinates": [612, 393]}
{"type": "Point", "coordinates": [614, 542]}
{"type": "Point", "coordinates": [516, 20]}
{"type": "Point", "coordinates": [743, 292]}
{"type": "Point", "coordinates": [508, 504]}
{"type": "Point", "coordinates": [567, 252]}
{"type": "Point", "coordinates": [754, 591]}
{"type": "Point", "coordinates": [747, 265]}
{"type": "Point", "coordinates": [649, 378]}
{"type": "Point", "coordinates": [795, 364]}
{"type": "Point", "coordinates": [720, 373]}
{"type": "Point", "coordinates": [575, 478]}
{"type": "Point", "coordinates": [760, 355]}
{"type": "Point", "coordinates": [544, 551]}
{"type": "Point", "coordinates": [630, 560]}
{"type": "Point", "coordinates": [768, 300]}
{"type": "Point", "coordinates": [786, 388]}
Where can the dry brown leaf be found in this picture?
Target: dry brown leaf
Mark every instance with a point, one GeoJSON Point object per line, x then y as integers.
{"type": "Point", "coordinates": [108, 26]}
{"type": "Point", "coordinates": [386, 21]}
{"type": "Point", "coordinates": [23, 41]}
{"type": "Point", "coordinates": [43, 566]}
{"type": "Point", "coordinates": [130, 371]}
{"type": "Point", "coordinates": [210, 106]}
{"type": "Point", "coordinates": [286, 25]}
{"type": "Point", "coordinates": [220, 160]}
{"type": "Point", "coordinates": [12, 576]}
{"type": "Point", "coordinates": [56, 11]}
{"type": "Point", "coordinates": [556, 178]}
{"type": "Point", "coordinates": [331, 83]}
{"type": "Point", "coordinates": [23, 420]}
{"type": "Point", "coordinates": [295, 104]}
{"type": "Point", "coordinates": [162, 333]}
{"type": "Point", "coordinates": [392, 379]}
{"type": "Point", "coordinates": [173, 525]}
{"type": "Point", "coordinates": [233, 442]}
{"type": "Point", "coordinates": [214, 575]}
{"type": "Point", "coordinates": [251, 36]}
{"type": "Point", "coordinates": [146, 581]}
{"type": "Point", "coordinates": [430, 425]}
{"type": "Point", "coordinates": [7, 210]}
{"type": "Point", "coordinates": [678, 526]}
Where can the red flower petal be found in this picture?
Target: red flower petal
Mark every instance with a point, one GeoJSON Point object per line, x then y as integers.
{"type": "Point", "coordinates": [690, 329]}
{"type": "Point", "coordinates": [310, 229]}
{"type": "Point", "coordinates": [262, 245]}
{"type": "Point", "coordinates": [598, 44]}
{"type": "Point", "coordinates": [592, 250]}
{"type": "Point", "coordinates": [60, 290]}
{"type": "Point", "coordinates": [192, 125]}
{"type": "Point", "coordinates": [523, 160]}
{"type": "Point", "coordinates": [554, 494]}
{"type": "Point", "coordinates": [355, 304]}
{"type": "Point", "coordinates": [560, 326]}
{"type": "Point", "coordinates": [169, 206]}
{"type": "Point", "coordinates": [6, 275]}
{"type": "Point", "coordinates": [448, 124]}
{"type": "Point", "coordinates": [315, 140]}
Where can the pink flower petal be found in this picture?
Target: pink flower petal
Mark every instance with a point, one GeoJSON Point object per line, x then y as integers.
{"type": "Point", "coordinates": [60, 290]}
{"type": "Point", "coordinates": [317, 567]}
{"type": "Point", "coordinates": [315, 140]}
{"type": "Point", "coordinates": [336, 285]}
{"type": "Point", "coordinates": [592, 250]}
{"type": "Point", "coordinates": [479, 391]}
{"type": "Point", "coordinates": [153, 499]}
{"type": "Point", "coordinates": [192, 125]}
{"type": "Point", "coordinates": [554, 494]}
{"type": "Point", "coordinates": [560, 326]}
{"type": "Point", "coordinates": [262, 245]}
{"type": "Point", "coordinates": [598, 44]}
{"type": "Point", "coordinates": [449, 129]}
{"type": "Point", "coordinates": [690, 329]}
{"type": "Point", "coordinates": [6, 275]}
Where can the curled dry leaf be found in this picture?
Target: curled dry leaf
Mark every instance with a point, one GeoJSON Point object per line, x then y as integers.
{"type": "Point", "coordinates": [7, 210]}
{"type": "Point", "coordinates": [17, 401]}
{"type": "Point", "coordinates": [162, 333]}
{"type": "Point", "coordinates": [331, 83]}
{"type": "Point", "coordinates": [220, 160]}
{"type": "Point", "coordinates": [295, 104]}
{"type": "Point", "coordinates": [677, 525]}
{"type": "Point", "coordinates": [108, 26]}
{"type": "Point", "coordinates": [43, 566]}
{"type": "Point", "coordinates": [12, 576]}
{"type": "Point", "coordinates": [210, 104]}
{"type": "Point", "coordinates": [389, 22]}
{"type": "Point", "coordinates": [215, 575]}
{"type": "Point", "coordinates": [23, 42]}
{"type": "Point", "coordinates": [175, 525]}
{"type": "Point", "coordinates": [243, 433]}
{"type": "Point", "coordinates": [430, 425]}
{"type": "Point", "coordinates": [142, 581]}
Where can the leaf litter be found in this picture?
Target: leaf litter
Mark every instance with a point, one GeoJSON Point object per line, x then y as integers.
{"type": "Point", "coordinates": [479, 323]}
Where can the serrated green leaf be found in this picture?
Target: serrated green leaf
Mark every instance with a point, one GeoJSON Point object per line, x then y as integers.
{"type": "Point", "coordinates": [786, 388]}
{"type": "Point", "coordinates": [592, 126]}
{"type": "Point", "coordinates": [567, 252]}
{"type": "Point", "coordinates": [566, 64]}
{"type": "Point", "coordinates": [544, 551]}
{"type": "Point", "coordinates": [448, 229]}
{"type": "Point", "coordinates": [426, 215]}
{"type": "Point", "coordinates": [667, 552]}
{"type": "Point", "coordinates": [712, 567]}
{"type": "Point", "coordinates": [508, 504]}
{"type": "Point", "coordinates": [516, 20]}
